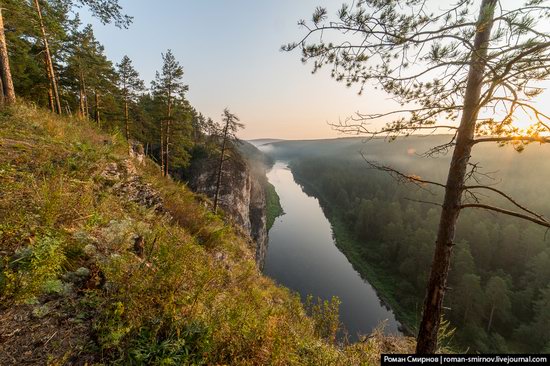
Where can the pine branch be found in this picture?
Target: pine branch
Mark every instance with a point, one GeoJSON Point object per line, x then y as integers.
{"type": "Point", "coordinates": [541, 139]}
{"type": "Point", "coordinates": [513, 201]}
{"type": "Point", "coordinates": [507, 212]}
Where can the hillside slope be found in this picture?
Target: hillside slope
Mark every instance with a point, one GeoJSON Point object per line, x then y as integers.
{"type": "Point", "coordinates": [105, 262]}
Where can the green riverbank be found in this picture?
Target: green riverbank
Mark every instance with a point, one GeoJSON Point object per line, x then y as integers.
{"type": "Point", "coordinates": [371, 272]}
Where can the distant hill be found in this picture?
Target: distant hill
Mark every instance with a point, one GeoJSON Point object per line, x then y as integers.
{"type": "Point", "coordinates": [260, 142]}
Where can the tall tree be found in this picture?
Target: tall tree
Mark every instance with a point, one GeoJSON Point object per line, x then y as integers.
{"type": "Point", "coordinates": [89, 73]}
{"type": "Point", "coordinates": [106, 10]}
{"type": "Point", "coordinates": [168, 86]}
{"type": "Point", "coordinates": [228, 139]}
{"type": "Point", "coordinates": [130, 86]}
{"type": "Point", "coordinates": [54, 89]}
{"type": "Point", "coordinates": [480, 71]}
{"type": "Point", "coordinates": [7, 89]}
{"type": "Point", "coordinates": [497, 297]}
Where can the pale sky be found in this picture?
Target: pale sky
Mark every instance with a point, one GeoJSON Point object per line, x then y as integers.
{"type": "Point", "coordinates": [230, 51]}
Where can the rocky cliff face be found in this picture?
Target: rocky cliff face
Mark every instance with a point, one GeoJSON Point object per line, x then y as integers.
{"type": "Point", "coordinates": [242, 196]}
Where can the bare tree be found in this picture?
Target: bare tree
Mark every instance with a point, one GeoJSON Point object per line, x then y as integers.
{"type": "Point", "coordinates": [473, 71]}
{"type": "Point", "coordinates": [228, 138]}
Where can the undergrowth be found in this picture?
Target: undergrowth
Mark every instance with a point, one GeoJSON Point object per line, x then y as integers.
{"type": "Point", "coordinates": [189, 293]}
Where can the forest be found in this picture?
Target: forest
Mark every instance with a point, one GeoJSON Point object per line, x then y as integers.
{"type": "Point", "coordinates": [498, 287]}
{"type": "Point", "coordinates": [57, 63]}
{"type": "Point", "coordinates": [439, 202]}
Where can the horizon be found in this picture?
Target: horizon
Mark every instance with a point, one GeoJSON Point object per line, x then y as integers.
{"type": "Point", "coordinates": [277, 95]}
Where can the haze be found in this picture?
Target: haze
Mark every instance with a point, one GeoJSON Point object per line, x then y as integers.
{"type": "Point", "coordinates": [231, 54]}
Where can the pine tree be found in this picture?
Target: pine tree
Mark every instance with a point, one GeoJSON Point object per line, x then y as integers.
{"type": "Point", "coordinates": [449, 71]}
{"type": "Point", "coordinates": [168, 87]}
{"type": "Point", "coordinates": [228, 139]}
{"type": "Point", "coordinates": [6, 88]}
{"type": "Point", "coordinates": [130, 86]}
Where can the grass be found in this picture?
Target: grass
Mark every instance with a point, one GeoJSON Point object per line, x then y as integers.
{"type": "Point", "coordinates": [75, 286]}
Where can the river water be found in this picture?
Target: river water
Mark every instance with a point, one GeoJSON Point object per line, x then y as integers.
{"type": "Point", "coordinates": [302, 256]}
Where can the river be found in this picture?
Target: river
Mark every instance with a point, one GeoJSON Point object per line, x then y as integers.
{"type": "Point", "coordinates": [302, 256]}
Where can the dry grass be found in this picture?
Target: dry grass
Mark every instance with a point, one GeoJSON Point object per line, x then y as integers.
{"type": "Point", "coordinates": [194, 296]}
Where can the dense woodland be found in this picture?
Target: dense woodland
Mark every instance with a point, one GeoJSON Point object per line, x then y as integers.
{"type": "Point", "coordinates": [498, 285]}
{"type": "Point", "coordinates": [499, 295]}
{"type": "Point", "coordinates": [46, 38]}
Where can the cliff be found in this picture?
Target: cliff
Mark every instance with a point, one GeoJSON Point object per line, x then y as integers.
{"type": "Point", "coordinates": [242, 196]}
{"type": "Point", "coordinates": [104, 261]}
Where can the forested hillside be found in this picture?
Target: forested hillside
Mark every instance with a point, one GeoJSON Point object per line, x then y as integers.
{"type": "Point", "coordinates": [105, 261]}
{"type": "Point", "coordinates": [57, 63]}
{"type": "Point", "coordinates": [499, 295]}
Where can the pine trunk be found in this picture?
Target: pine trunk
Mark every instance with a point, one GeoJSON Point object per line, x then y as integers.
{"type": "Point", "coordinates": [127, 120]}
{"type": "Point", "coordinates": [433, 304]}
{"type": "Point", "coordinates": [51, 102]}
{"type": "Point", "coordinates": [220, 169]}
{"type": "Point", "coordinates": [161, 148]}
{"type": "Point", "coordinates": [97, 116]}
{"type": "Point", "coordinates": [167, 147]}
{"type": "Point", "coordinates": [86, 106]}
{"type": "Point", "coordinates": [2, 97]}
{"type": "Point", "coordinates": [81, 96]}
{"type": "Point", "coordinates": [168, 122]}
{"type": "Point", "coordinates": [7, 81]}
{"type": "Point", "coordinates": [48, 56]}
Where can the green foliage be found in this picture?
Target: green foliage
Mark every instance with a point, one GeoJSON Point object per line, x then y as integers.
{"type": "Point", "coordinates": [325, 317]}
{"type": "Point", "coordinates": [500, 266]}
{"type": "Point", "coordinates": [34, 270]}
{"type": "Point", "coordinates": [273, 205]}
{"type": "Point", "coordinates": [193, 294]}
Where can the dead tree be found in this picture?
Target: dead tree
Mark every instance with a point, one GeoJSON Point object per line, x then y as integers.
{"type": "Point", "coordinates": [473, 71]}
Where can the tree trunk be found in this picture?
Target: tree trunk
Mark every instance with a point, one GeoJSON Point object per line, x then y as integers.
{"type": "Point", "coordinates": [167, 147]}
{"type": "Point", "coordinates": [168, 122]}
{"type": "Point", "coordinates": [51, 102]}
{"type": "Point", "coordinates": [2, 97]}
{"type": "Point", "coordinates": [81, 104]}
{"type": "Point", "coordinates": [7, 81]}
{"type": "Point", "coordinates": [49, 62]}
{"type": "Point", "coordinates": [220, 168]}
{"type": "Point", "coordinates": [161, 148]}
{"type": "Point", "coordinates": [81, 95]}
{"type": "Point", "coordinates": [127, 120]}
{"type": "Point", "coordinates": [86, 106]}
{"type": "Point", "coordinates": [97, 116]}
{"type": "Point", "coordinates": [433, 303]}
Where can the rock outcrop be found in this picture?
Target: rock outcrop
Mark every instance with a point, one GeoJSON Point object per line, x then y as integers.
{"type": "Point", "coordinates": [242, 197]}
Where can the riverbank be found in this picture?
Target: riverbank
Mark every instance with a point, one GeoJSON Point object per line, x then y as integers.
{"type": "Point", "coordinates": [370, 272]}
{"type": "Point", "coordinates": [273, 205]}
{"type": "Point", "coordinates": [302, 255]}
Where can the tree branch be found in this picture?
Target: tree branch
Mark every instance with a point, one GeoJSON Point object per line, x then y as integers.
{"type": "Point", "coordinates": [507, 212]}
{"type": "Point", "coordinates": [541, 139]}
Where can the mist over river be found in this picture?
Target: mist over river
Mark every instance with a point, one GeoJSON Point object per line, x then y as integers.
{"type": "Point", "coordinates": [303, 256]}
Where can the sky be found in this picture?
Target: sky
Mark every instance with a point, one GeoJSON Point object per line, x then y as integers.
{"type": "Point", "coordinates": [230, 51]}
